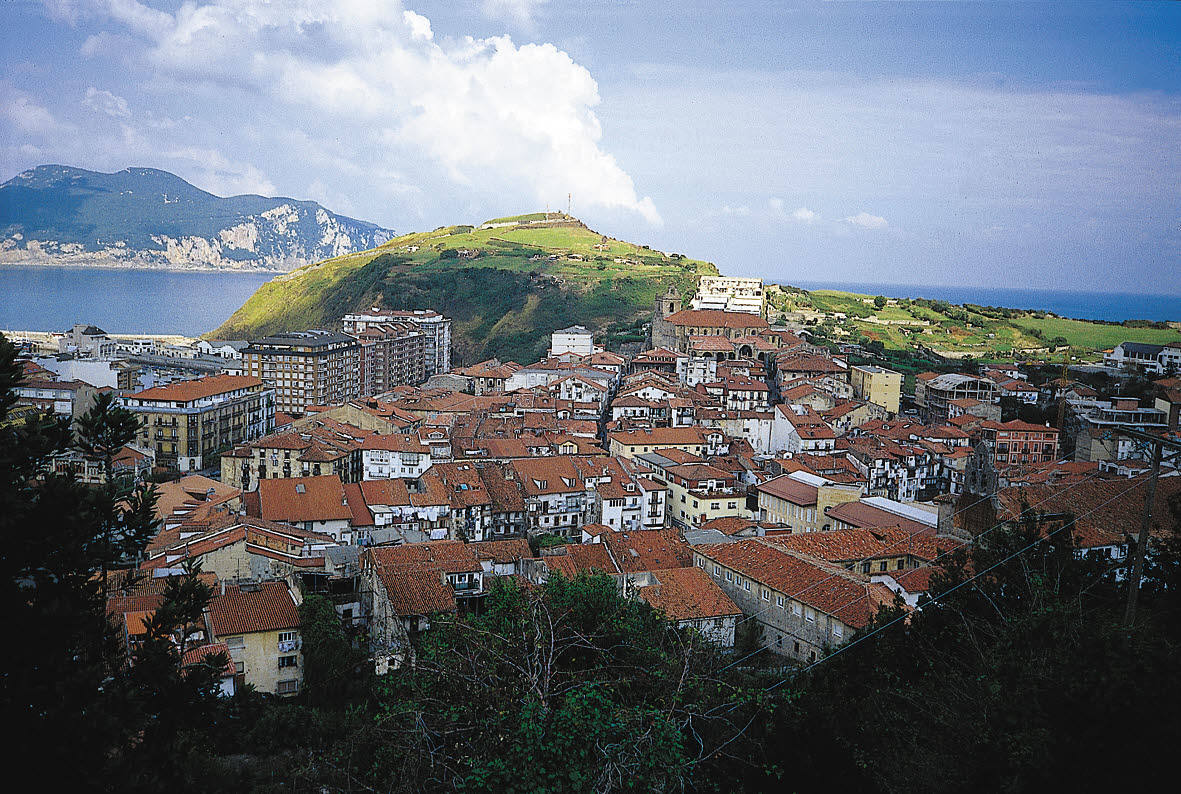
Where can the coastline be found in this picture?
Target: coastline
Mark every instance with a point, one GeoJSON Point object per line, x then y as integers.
{"type": "Point", "coordinates": [254, 271]}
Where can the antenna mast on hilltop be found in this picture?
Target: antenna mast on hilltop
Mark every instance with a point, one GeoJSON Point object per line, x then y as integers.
{"type": "Point", "coordinates": [568, 205]}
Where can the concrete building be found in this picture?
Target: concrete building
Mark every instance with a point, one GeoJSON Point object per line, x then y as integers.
{"type": "Point", "coordinates": [67, 399]}
{"type": "Point", "coordinates": [436, 330]}
{"type": "Point", "coordinates": [934, 395]}
{"type": "Point", "coordinates": [392, 354]}
{"type": "Point", "coordinates": [802, 604]}
{"type": "Point", "coordinates": [88, 341]}
{"type": "Point", "coordinates": [729, 294]}
{"type": "Point", "coordinates": [575, 339]}
{"type": "Point", "coordinates": [1152, 359]}
{"type": "Point", "coordinates": [877, 385]}
{"type": "Point", "coordinates": [259, 623]}
{"type": "Point", "coordinates": [190, 423]}
{"type": "Point", "coordinates": [801, 501]}
{"type": "Point", "coordinates": [306, 368]}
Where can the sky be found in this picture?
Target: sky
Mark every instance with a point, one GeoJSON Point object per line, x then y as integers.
{"type": "Point", "coordinates": [977, 144]}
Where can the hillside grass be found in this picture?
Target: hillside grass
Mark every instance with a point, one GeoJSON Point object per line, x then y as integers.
{"type": "Point", "coordinates": [506, 288]}
{"type": "Point", "coordinates": [905, 324]}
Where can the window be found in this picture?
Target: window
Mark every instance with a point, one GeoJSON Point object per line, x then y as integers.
{"type": "Point", "coordinates": [235, 643]}
{"type": "Point", "coordinates": [717, 570]}
{"type": "Point", "coordinates": [779, 601]}
{"type": "Point", "coordinates": [865, 567]}
{"type": "Point", "coordinates": [700, 563]}
{"type": "Point", "coordinates": [729, 576]}
{"type": "Point", "coordinates": [837, 630]}
{"type": "Point", "coordinates": [287, 687]}
{"type": "Point", "coordinates": [746, 585]}
{"type": "Point", "coordinates": [900, 564]}
{"type": "Point", "coordinates": [766, 594]}
{"type": "Point", "coordinates": [287, 661]}
{"type": "Point", "coordinates": [795, 608]}
{"type": "Point", "coordinates": [809, 616]}
{"type": "Point", "coordinates": [883, 565]}
{"type": "Point", "coordinates": [286, 636]}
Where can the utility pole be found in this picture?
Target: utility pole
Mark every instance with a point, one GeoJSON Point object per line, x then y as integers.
{"type": "Point", "coordinates": [1062, 389]}
{"type": "Point", "coordinates": [1158, 443]}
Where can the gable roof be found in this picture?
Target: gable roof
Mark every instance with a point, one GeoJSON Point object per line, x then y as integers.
{"type": "Point", "coordinates": [300, 499]}
{"type": "Point", "coordinates": [847, 596]}
{"type": "Point", "coordinates": [688, 594]}
{"type": "Point", "coordinates": [248, 609]}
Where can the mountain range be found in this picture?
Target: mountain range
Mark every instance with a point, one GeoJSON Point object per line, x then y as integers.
{"type": "Point", "coordinates": [145, 217]}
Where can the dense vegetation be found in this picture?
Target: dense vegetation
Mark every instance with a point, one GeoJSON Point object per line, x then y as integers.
{"type": "Point", "coordinates": [1021, 677]}
{"type": "Point", "coordinates": [506, 288]}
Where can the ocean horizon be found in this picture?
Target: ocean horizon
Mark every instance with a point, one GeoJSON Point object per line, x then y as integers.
{"type": "Point", "coordinates": [192, 303]}
{"type": "Point", "coordinates": [1078, 305]}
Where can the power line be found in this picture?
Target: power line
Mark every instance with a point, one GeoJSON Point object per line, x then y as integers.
{"type": "Point", "coordinates": [908, 539]}
{"type": "Point", "coordinates": [952, 589]}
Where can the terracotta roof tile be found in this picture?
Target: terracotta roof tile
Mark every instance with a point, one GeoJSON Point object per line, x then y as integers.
{"type": "Point", "coordinates": [244, 609]}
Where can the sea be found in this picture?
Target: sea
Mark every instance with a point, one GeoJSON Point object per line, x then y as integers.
{"type": "Point", "coordinates": [1109, 306]}
{"type": "Point", "coordinates": [185, 302]}
{"type": "Point", "coordinates": [191, 303]}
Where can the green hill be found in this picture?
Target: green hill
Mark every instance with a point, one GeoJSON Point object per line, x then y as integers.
{"type": "Point", "coordinates": [956, 330]}
{"type": "Point", "coordinates": [506, 284]}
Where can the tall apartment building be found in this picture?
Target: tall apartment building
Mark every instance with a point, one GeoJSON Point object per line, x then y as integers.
{"type": "Point", "coordinates": [435, 327]}
{"type": "Point", "coordinates": [188, 423]}
{"type": "Point", "coordinates": [392, 354]}
{"type": "Point", "coordinates": [877, 385]}
{"type": "Point", "coordinates": [306, 368]}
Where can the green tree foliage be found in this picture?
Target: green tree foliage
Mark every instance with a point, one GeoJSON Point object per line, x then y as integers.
{"type": "Point", "coordinates": [335, 672]}
{"type": "Point", "coordinates": [1009, 683]}
{"type": "Point", "coordinates": [880, 302]}
{"type": "Point", "coordinates": [87, 715]}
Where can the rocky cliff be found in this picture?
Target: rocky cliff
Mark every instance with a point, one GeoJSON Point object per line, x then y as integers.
{"type": "Point", "coordinates": [144, 217]}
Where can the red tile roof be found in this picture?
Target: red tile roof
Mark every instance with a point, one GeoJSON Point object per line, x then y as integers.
{"type": "Point", "coordinates": [847, 596]}
{"type": "Point", "coordinates": [300, 499]}
{"type": "Point", "coordinates": [189, 390]}
{"type": "Point", "coordinates": [794, 491]}
{"type": "Point", "coordinates": [715, 318]}
{"type": "Point", "coordinates": [688, 594]}
{"type": "Point", "coordinates": [243, 609]}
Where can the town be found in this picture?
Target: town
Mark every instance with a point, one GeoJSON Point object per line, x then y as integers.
{"type": "Point", "coordinates": [760, 486]}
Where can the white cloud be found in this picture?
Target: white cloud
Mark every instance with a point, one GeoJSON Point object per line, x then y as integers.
{"type": "Point", "coordinates": [105, 102]}
{"type": "Point", "coordinates": [218, 174]}
{"type": "Point", "coordinates": [801, 215]}
{"type": "Point", "coordinates": [518, 12]}
{"type": "Point", "coordinates": [867, 221]}
{"type": "Point", "coordinates": [511, 121]}
{"type": "Point", "coordinates": [26, 115]}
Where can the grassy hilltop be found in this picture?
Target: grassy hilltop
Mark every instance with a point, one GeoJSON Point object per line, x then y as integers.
{"type": "Point", "coordinates": [506, 283]}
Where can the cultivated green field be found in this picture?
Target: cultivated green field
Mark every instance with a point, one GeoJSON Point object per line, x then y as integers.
{"type": "Point", "coordinates": [982, 331]}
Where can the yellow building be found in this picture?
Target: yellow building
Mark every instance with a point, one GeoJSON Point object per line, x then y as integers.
{"type": "Point", "coordinates": [189, 423]}
{"type": "Point", "coordinates": [877, 385]}
{"type": "Point", "coordinates": [802, 505]}
{"type": "Point", "coordinates": [700, 441]}
{"type": "Point", "coordinates": [259, 623]}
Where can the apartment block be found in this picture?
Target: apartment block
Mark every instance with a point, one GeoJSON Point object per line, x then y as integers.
{"type": "Point", "coordinates": [190, 423]}
{"type": "Point", "coordinates": [306, 368]}
{"type": "Point", "coordinates": [877, 385]}
{"type": "Point", "coordinates": [435, 329]}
